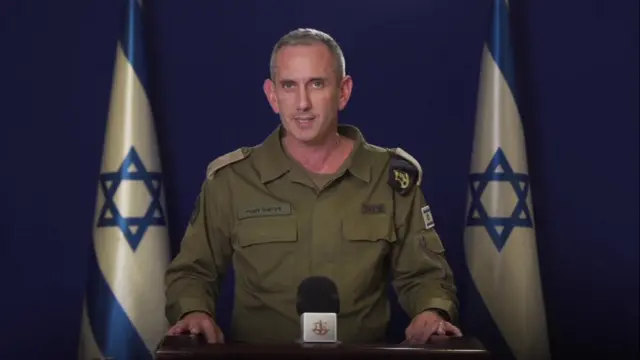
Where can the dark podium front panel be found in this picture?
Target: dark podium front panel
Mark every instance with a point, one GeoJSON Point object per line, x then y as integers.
{"type": "Point", "coordinates": [193, 347]}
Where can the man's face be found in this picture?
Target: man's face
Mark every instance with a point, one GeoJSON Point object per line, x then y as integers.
{"type": "Point", "coordinates": [307, 91]}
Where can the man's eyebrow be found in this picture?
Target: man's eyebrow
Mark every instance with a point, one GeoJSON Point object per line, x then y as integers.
{"type": "Point", "coordinates": [291, 81]}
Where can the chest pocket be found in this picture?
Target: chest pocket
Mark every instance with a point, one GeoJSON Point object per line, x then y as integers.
{"type": "Point", "coordinates": [265, 252]}
{"type": "Point", "coordinates": [369, 237]}
{"type": "Point", "coordinates": [366, 242]}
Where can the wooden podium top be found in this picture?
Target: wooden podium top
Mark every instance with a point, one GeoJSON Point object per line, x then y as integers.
{"type": "Point", "coordinates": [194, 347]}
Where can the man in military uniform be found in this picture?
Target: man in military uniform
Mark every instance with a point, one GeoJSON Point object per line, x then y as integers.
{"type": "Point", "coordinates": [313, 199]}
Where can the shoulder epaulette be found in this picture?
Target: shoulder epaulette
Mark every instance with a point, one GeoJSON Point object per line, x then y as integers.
{"type": "Point", "coordinates": [227, 159]}
{"type": "Point", "coordinates": [405, 171]}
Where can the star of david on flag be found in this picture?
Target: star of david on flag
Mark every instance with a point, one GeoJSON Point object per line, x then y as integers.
{"type": "Point", "coordinates": [123, 314]}
{"type": "Point", "coordinates": [133, 227]}
{"type": "Point", "coordinates": [499, 227]}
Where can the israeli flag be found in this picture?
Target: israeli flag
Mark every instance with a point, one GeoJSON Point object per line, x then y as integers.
{"type": "Point", "coordinates": [123, 310]}
{"type": "Point", "coordinates": [506, 307]}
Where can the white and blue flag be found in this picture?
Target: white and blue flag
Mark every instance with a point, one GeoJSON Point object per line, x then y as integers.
{"type": "Point", "coordinates": [506, 306]}
{"type": "Point", "coordinates": [123, 310]}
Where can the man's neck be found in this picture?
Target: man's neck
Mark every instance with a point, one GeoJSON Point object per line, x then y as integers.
{"type": "Point", "coordinates": [322, 157]}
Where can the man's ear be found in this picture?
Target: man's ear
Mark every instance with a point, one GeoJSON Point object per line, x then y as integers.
{"type": "Point", "coordinates": [346, 85]}
{"type": "Point", "coordinates": [270, 93]}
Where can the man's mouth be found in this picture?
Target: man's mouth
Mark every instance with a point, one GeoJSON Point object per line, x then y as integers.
{"type": "Point", "coordinates": [304, 121]}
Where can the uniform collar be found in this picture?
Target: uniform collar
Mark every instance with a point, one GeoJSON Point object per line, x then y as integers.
{"type": "Point", "coordinates": [272, 162]}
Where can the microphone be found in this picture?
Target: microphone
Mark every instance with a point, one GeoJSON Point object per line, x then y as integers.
{"type": "Point", "coordinates": [318, 306]}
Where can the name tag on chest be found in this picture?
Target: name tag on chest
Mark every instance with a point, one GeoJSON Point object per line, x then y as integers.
{"type": "Point", "coordinates": [373, 209]}
{"type": "Point", "coordinates": [265, 210]}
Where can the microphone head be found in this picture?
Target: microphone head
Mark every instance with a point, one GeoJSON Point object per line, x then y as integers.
{"type": "Point", "coordinates": [317, 294]}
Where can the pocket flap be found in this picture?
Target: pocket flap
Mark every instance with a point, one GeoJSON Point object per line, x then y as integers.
{"type": "Point", "coordinates": [254, 231]}
{"type": "Point", "coordinates": [368, 228]}
{"type": "Point", "coordinates": [430, 240]}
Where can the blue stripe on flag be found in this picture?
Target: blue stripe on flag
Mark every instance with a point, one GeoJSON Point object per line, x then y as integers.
{"type": "Point", "coordinates": [132, 42]}
{"type": "Point", "coordinates": [111, 327]}
{"type": "Point", "coordinates": [499, 44]}
{"type": "Point", "coordinates": [480, 324]}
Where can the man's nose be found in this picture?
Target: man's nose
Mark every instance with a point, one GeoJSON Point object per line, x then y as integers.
{"type": "Point", "coordinates": [303, 100]}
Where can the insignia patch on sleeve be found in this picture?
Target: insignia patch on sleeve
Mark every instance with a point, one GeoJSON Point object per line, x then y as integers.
{"type": "Point", "coordinates": [404, 172]}
{"type": "Point", "coordinates": [427, 217]}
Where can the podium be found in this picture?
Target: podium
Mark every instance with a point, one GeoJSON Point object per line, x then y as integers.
{"type": "Point", "coordinates": [189, 347]}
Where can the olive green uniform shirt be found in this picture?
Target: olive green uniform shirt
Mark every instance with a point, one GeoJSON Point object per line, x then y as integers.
{"type": "Point", "coordinates": [262, 211]}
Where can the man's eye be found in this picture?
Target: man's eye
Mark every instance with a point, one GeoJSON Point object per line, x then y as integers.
{"type": "Point", "coordinates": [318, 84]}
{"type": "Point", "coordinates": [287, 85]}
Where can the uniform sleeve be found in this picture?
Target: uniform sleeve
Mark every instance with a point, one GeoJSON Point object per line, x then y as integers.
{"type": "Point", "coordinates": [422, 277]}
{"type": "Point", "coordinates": [193, 278]}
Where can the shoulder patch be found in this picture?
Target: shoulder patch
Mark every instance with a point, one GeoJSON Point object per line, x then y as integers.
{"type": "Point", "coordinates": [227, 159]}
{"type": "Point", "coordinates": [404, 171]}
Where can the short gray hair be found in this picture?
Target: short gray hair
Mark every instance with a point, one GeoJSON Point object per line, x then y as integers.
{"type": "Point", "coordinates": [309, 37]}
